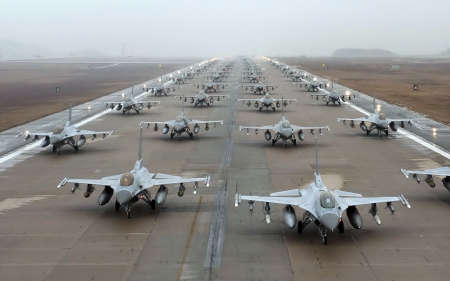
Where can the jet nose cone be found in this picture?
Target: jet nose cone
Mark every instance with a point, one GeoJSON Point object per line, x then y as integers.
{"type": "Point", "coordinates": [54, 139]}
{"type": "Point", "coordinates": [383, 125]}
{"type": "Point", "coordinates": [286, 133]}
{"type": "Point", "coordinates": [123, 196]}
{"type": "Point", "coordinates": [329, 221]}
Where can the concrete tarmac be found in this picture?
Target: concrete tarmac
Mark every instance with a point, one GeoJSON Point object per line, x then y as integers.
{"type": "Point", "coordinates": [50, 234]}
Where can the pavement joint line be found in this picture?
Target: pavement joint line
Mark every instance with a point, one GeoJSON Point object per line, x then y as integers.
{"type": "Point", "coordinates": [411, 136]}
{"type": "Point", "coordinates": [188, 243]}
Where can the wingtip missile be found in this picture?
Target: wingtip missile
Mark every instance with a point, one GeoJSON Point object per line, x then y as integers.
{"type": "Point", "coordinates": [63, 182]}
{"type": "Point", "coordinates": [404, 201]}
{"type": "Point", "coordinates": [405, 173]}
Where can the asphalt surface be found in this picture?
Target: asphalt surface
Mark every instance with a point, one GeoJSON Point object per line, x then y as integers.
{"type": "Point", "coordinates": [50, 234]}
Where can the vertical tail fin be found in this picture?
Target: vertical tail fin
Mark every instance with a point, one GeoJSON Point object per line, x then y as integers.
{"type": "Point", "coordinates": [69, 120]}
{"type": "Point", "coordinates": [140, 146]}
{"type": "Point", "coordinates": [182, 105]}
{"type": "Point", "coordinates": [374, 103]}
{"type": "Point", "coordinates": [317, 157]}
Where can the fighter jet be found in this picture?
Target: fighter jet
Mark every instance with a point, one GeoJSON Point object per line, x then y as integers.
{"type": "Point", "coordinates": [267, 102]}
{"type": "Point", "coordinates": [133, 186]}
{"type": "Point", "coordinates": [378, 121]}
{"type": "Point", "coordinates": [322, 207]}
{"type": "Point", "coordinates": [202, 98]}
{"type": "Point", "coordinates": [440, 172]}
{"type": "Point", "coordinates": [283, 130]}
{"type": "Point", "coordinates": [313, 85]}
{"type": "Point", "coordinates": [62, 135]}
{"type": "Point", "coordinates": [259, 88]}
{"type": "Point", "coordinates": [216, 77]}
{"type": "Point", "coordinates": [210, 86]}
{"type": "Point", "coordinates": [129, 103]}
{"type": "Point", "coordinates": [254, 78]}
{"type": "Point", "coordinates": [181, 125]}
{"type": "Point", "coordinates": [161, 88]}
{"type": "Point", "coordinates": [333, 96]}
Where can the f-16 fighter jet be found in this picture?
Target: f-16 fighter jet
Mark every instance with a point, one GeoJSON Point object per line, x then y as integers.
{"type": "Point", "coordinates": [333, 96]}
{"type": "Point", "coordinates": [211, 86]}
{"type": "Point", "coordinates": [181, 125]}
{"type": "Point", "coordinates": [440, 172]}
{"type": "Point", "coordinates": [323, 207]}
{"type": "Point", "coordinates": [62, 135]}
{"type": "Point", "coordinates": [283, 130]}
{"type": "Point", "coordinates": [254, 78]}
{"type": "Point", "coordinates": [267, 102]}
{"type": "Point", "coordinates": [135, 185]}
{"type": "Point", "coordinates": [259, 88]}
{"type": "Point", "coordinates": [161, 88]}
{"type": "Point", "coordinates": [202, 98]}
{"type": "Point", "coordinates": [378, 121]}
{"type": "Point", "coordinates": [129, 103]}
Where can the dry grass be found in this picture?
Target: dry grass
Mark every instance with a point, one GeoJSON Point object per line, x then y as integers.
{"type": "Point", "coordinates": [27, 90]}
{"type": "Point", "coordinates": [395, 86]}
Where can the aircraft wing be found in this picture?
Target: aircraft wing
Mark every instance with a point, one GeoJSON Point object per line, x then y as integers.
{"type": "Point", "coordinates": [443, 171]}
{"type": "Point", "coordinates": [170, 123]}
{"type": "Point", "coordinates": [153, 101]}
{"type": "Point", "coordinates": [186, 97]}
{"type": "Point", "coordinates": [409, 120]}
{"type": "Point", "coordinates": [292, 192]}
{"type": "Point", "coordinates": [218, 96]}
{"type": "Point", "coordinates": [87, 132]}
{"type": "Point", "coordinates": [176, 180]}
{"type": "Point", "coordinates": [260, 99]}
{"type": "Point", "coordinates": [111, 103]}
{"type": "Point", "coordinates": [318, 94]}
{"type": "Point", "coordinates": [28, 134]}
{"type": "Point", "coordinates": [350, 201]}
{"type": "Point", "coordinates": [193, 121]}
{"type": "Point", "coordinates": [275, 100]}
{"type": "Point", "coordinates": [104, 181]}
{"type": "Point", "coordinates": [302, 202]}
{"type": "Point", "coordinates": [298, 128]}
{"type": "Point", "coordinates": [268, 127]}
{"type": "Point", "coordinates": [353, 119]}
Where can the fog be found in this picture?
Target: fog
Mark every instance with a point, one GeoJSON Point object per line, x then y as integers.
{"type": "Point", "coordinates": [217, 28]}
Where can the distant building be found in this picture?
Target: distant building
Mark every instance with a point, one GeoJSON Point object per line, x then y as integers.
{"type": "Point", "coordinates": [394, 66]}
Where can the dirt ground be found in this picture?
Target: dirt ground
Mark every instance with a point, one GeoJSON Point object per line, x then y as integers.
{"type": "Point", "coordinates": [28, 90]}
{"type": "Point", "coordinates": [392, 85]}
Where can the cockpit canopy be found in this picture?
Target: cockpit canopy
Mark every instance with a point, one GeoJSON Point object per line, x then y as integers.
{"type": "Point", "coordinates": [327, 200]}
{"type": "Point", "coordinates": [267, 97]}
{"type": "Point", "coordinates": [179, 119]}
{"type": "Point", "coordinates": [126, 179]}
{"type": "Point", "coordinates": [128, 99]}
{"type": "Point", "coordinates": [58, 129]}
{"type": "Point", "coordinates": [286, 125]}
{"type": "Point", "coordinates": [382, 116]}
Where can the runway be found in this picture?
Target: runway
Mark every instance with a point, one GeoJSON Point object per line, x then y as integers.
{"type": "Point", "coordinates": [50, 234]}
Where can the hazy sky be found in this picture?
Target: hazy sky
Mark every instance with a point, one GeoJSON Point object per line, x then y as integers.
{"type": "Point", "coordinates": [217, 28]}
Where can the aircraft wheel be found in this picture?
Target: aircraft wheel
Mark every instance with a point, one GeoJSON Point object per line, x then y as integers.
{"type": "Point", "coordinates": [195, 104]}
{"type": "Point", "coordinates": [300, 227]}
{"type": "Point", "coordinates": [325, 240]}
{"type": "Point", "coordinates": [260, 108]}
{"type": "Point", "coordinates": [273, 142]}
{"type": "Point", "coordinates": [367, 132]}
{"type": "Point", "coordinates": [153, 204]}
{"type": "Point", "coordinates": [340, 227]}
{"type": "Point", "coordinates": [285, 145]}
{"type": "Point", "coordinates": [387, 133]}
{"type": "Point", "coordinates": [54, 148]}
{"type": "Point", "coordinates": [191, 135]}
{"type": "Point", "coordinates": [117, 206]}
{"type": "Point", "coordinates": [123, 111]}
{"type": "Point", "coordinates": [171, 135]}
{"type": "Point", "coordinates": [137, 111]}
{"type": "Point", "coordinates": [294, 141]}
{"type": "Point", "coordinates": [327, 103]}
{"type": "Point", "coordinates": [59, 150]}
{"type": "Point", "coordinates": [76, 148]}
{"type": "Point", "coordinates": [339, 103]}
{"type": "Point", "coordinates": [129, 214]}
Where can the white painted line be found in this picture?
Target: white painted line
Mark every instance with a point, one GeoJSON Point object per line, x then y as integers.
{"type": "Point", "coordinates": [30, 146]}
{"type": "Point", "coordinates": [100, 67]}
{"type": "Point", "coordinates": [410, 135]}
